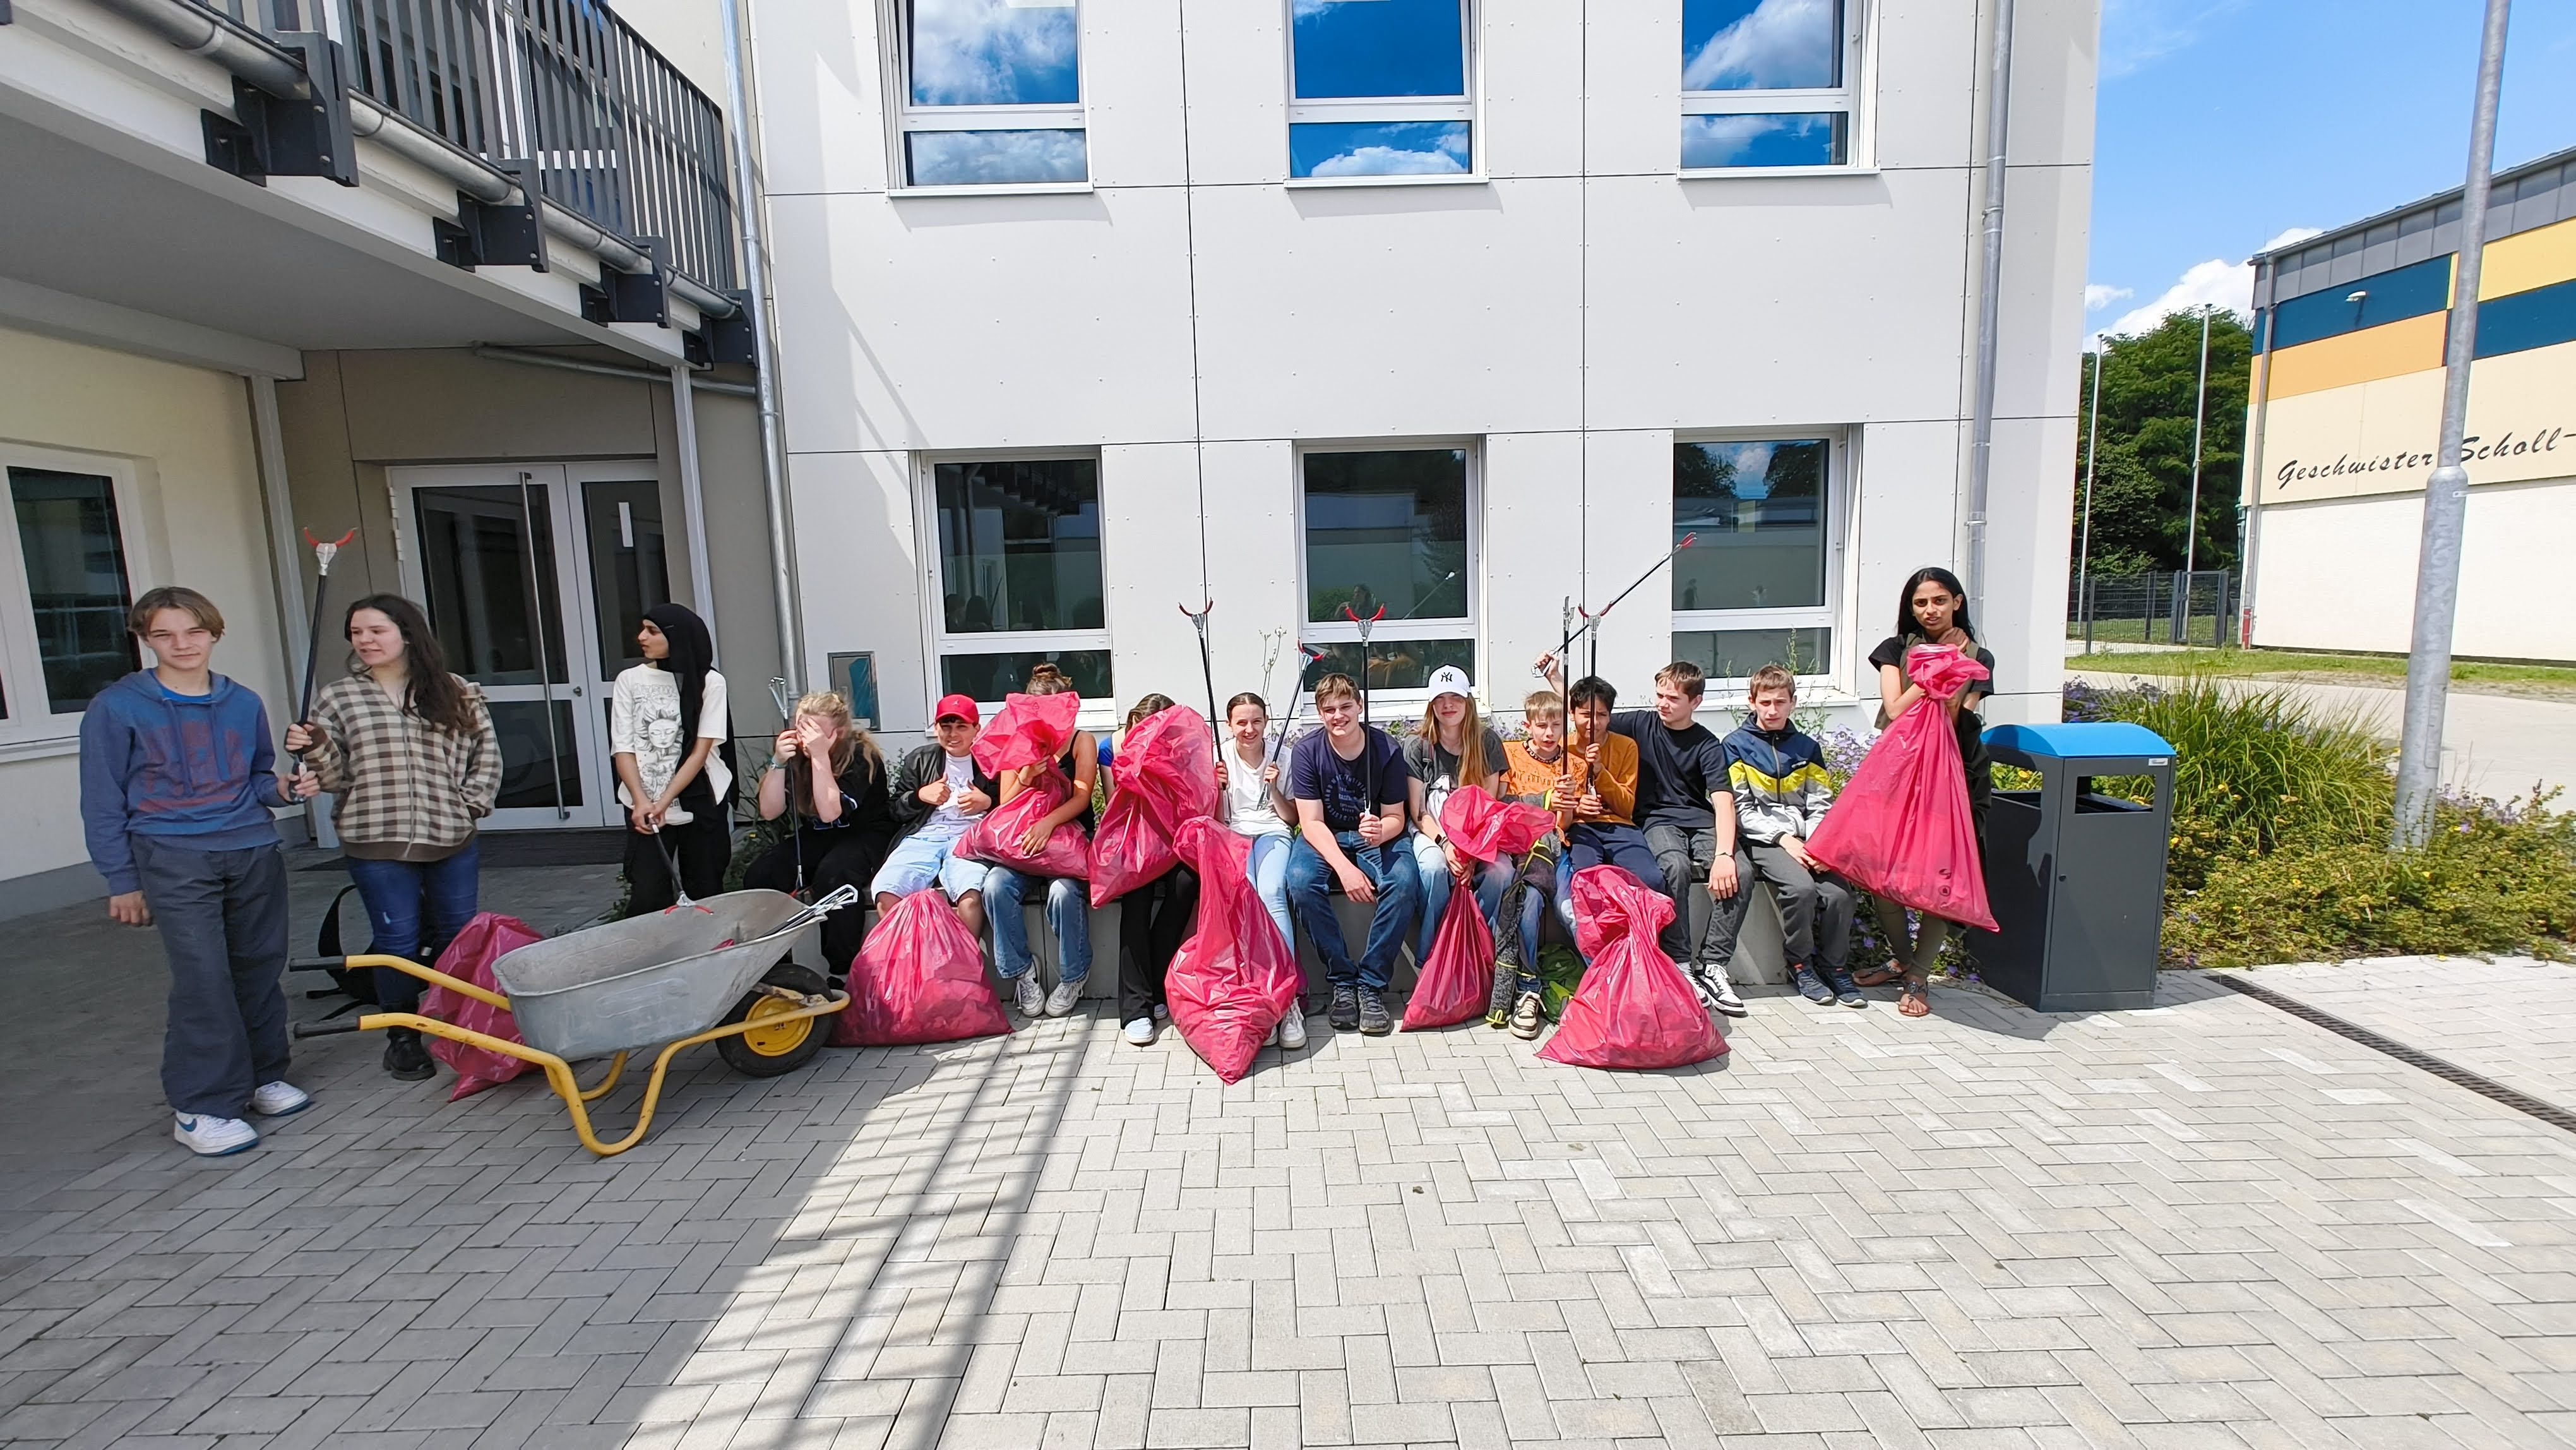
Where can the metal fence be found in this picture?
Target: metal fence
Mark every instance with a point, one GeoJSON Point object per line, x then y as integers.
{"type": "Point", "coordinates": [616, 134]}
{"type": "Point", "coordinates": [2170, 608]}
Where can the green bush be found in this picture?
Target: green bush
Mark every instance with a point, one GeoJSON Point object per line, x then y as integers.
{"type": "Point", "coordinates": [2281, 821]}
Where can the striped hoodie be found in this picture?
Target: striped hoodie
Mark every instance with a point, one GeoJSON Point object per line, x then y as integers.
{"type": "Point", "coordinates": [1780, 783]}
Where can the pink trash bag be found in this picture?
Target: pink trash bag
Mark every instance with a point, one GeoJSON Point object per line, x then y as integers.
{"type": "Point", "coordinates": [485, 940]}
{"type": "Point", "coordinates": [1235, 978]}
{"type": "Point", "coordinates": [920, 978]}
{"type": "Point", "coordinates": [1027, 730]}
{"type": "Point", "coordinates": [1458, 980]}
{"type": "Point", "coordinates": [1489, 829]}
{"type": "Point", "coordinates": [1634, 1010]}
{"type": "Point", "coordinates": [1165, 774]}
{"type": "Point", "coordinates": [995, 838]}
{"type": "Point", "coordinates": [1901, 830]}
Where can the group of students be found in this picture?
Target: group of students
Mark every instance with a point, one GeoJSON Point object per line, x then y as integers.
{"type": "Point", "coordinates": [179, 776]}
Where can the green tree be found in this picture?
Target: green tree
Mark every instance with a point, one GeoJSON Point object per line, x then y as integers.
{"type": "Point", "coordinates": [2142, 471]}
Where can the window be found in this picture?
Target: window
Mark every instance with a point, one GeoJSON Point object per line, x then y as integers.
{"type": "Point", "coordinates": [64, 591]}
{"type": "Point", "coordinates": [1759, 584]}
{"type": "Point", "coordinates": [1380, 88]}
{"type": "Point", "coordinates": [992, 93]}
{"type": "Point", "coordinates": [1393, 530]}
{"type": "Point", "coordinates": [1019, 575]}
{"type": "Point", "coordinates": [1768, 83]}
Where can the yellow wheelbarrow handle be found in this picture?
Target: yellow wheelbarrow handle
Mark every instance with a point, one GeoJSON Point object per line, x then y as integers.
{"type": "Point", "coordinates": [407, 967]}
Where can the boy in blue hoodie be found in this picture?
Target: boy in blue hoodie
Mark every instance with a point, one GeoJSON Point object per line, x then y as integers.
{"type": "Point", "coordinates": [177, 778]}
{"type": "Point", "coordinates": [1776, 775]}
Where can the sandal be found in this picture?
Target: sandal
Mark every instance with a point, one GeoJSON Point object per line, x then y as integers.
{"type": "Point", "coordinates": [1878, 976]}
{"type": "Point", "coordinates": [1915, 1000]}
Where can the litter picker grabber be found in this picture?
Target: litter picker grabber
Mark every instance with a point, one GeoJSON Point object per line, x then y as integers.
{"type": "Point", "coordinates": [1207, 671]}
{"type": "Point", "coordinates": [324, 551]}
{"type": "Point", "coordinates": [1367, 627]}
{"type": "Point", "coordinates": [1307, 656]}
{"type": "Point", "coordinates": [1591, 622]}
{"type": "Point", "coordinates": [795, 827]}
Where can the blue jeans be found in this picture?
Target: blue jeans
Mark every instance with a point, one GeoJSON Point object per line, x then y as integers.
{"type": "Point", "coordinates": [1431, 869]}
{"type": "Point", "coordinates": [402, 898]}
{"type": "Point", "coordinates": [1268, 868]}
{"type": "Point", "coordinates": [1399, 897]}
{"type": "Point", "coordinates": [1068, 913]}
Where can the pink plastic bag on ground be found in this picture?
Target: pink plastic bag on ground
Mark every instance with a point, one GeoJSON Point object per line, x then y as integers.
{"type": "Point", "coordinates": [1027, 730]}
{"type": "Point", "coordinates": [1901, 830]}
{"type": "Point", "coordinates": [1165, 774]}
{"type": "Point", "coordinates": [1234, 979]}
{"type": "Point", "coordinates": [485, 940]}
{"type": "Point", "coordinates": [1489, 829]}
{"type": "Point", "coordinates": [920, 978]}
{"type": "Point", "coordinates": [1634, 1010]}
{"type": "Point", "coordinates": [1457, 981]}
{"type": "Point", "coordinates": [996, 835]}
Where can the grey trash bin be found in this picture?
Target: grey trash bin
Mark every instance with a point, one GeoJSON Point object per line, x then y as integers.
{"type": "Point", "coordinates": [2076, 878]}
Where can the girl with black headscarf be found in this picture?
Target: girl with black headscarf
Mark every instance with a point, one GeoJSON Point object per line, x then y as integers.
{"type": "Point", "coordinates": [667, 733]}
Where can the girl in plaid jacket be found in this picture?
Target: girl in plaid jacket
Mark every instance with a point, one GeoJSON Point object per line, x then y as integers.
{"type": "Point", "coordinates": [408, 753]}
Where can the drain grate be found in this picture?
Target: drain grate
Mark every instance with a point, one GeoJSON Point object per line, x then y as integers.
{"type": "Point", "coordinates": [2521, 1102]}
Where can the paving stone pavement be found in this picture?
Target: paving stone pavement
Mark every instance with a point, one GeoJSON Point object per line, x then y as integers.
{"type": "Point", "coordinates": [2512, 1019]}
{"type": "Point", "coordinates": [2206, 1224]}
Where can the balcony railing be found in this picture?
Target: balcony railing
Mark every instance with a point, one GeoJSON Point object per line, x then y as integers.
{"type": "Point", "coordinates": [615, 133]}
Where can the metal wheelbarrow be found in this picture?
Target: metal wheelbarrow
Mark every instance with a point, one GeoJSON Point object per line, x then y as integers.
{"type": "Point", "coordinates": [703, 971]}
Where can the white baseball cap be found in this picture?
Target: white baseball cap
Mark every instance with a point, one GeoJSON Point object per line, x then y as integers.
{"type": "Point", "coordinates": [1451, 680]}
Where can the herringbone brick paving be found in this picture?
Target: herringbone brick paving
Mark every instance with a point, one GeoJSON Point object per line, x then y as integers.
{"type": "Point", "coordinates": [2204, 1225]}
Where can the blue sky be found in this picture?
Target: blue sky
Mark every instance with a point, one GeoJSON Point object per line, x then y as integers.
{"type": "Point", "coordinates": [2225, 123]}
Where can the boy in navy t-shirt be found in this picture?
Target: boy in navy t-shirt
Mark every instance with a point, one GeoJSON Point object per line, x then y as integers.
{"type": "Point", "coordinates": [1350, 785]}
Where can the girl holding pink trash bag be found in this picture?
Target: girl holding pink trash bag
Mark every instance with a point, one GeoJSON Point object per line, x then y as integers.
{"type": "Point", "coordinates": [1923, 848]}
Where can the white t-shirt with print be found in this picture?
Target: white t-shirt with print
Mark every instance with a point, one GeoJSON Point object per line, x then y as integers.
{"type": "Point", "coordinates": [1248, 808]}
{"type": "Point", "coordinates": [947, 822]}
{"type": "Point", "coordinates": [644, 721]}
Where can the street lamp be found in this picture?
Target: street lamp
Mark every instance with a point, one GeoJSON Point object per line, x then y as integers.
{"type": "Point", "coordinates": [2446, 493]}
{"type": "Point", "coordinates": [2084, 552]}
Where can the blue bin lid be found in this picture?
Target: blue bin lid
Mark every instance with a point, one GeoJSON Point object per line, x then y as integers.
{"type": "Point", "coordinates": [2096, 740]}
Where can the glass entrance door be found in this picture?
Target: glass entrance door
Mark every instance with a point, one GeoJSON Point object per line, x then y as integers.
{"type": "Point", "coordinates": [492, 555]}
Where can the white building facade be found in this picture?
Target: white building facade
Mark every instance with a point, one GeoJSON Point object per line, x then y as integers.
{"type": "Point", "coordinates": [1465, 308]}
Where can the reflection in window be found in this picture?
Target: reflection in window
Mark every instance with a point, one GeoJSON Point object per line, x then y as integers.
{"type": "Point", "coordinates": [1387, 529]}
{"type": "Point", "coordinates": [1734, 654]}
{"type": "Point", "coordinates": [1397, 664]}
{"type": "Point", "coordinates": [629, 570]}
{"type": "Point", "coordinates": [993, 676]}
{"type": "Point", "coordinates": [1761, 45]}
{"type": "Point", "coordinates": [1380, 89]}
{"type": "Point", "coordinates": [1766, 83]}
{"type": "Point", "coordinates": [1712, 142]}
{"type": "Point", "coordinates": [484, 569]}
{"type": "Point", "coordinates": [993, 93]}
{"type": "Point", "coordinates": [76, 582]}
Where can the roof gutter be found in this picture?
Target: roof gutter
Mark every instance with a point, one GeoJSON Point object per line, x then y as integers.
{"type": "Point", "coordinates": [198, 31]}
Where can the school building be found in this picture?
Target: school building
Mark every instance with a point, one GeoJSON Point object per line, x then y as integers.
{"type": "Point", "coordinates": [2346, 413]}
{"type": "Point", "coordinates": [1079, 311]}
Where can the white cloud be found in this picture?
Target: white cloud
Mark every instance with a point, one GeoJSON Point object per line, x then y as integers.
{"type": "Point", "coordinates": [2138, 33]}
{"type": "Point", "coordinates": [1389, 161]}
{"type": "Point", "coordinates": [2213, 283]}
{"type": "Point", "coordinates": [991, 52]}
{"type": "Point", "coordinates": [1783, 43]}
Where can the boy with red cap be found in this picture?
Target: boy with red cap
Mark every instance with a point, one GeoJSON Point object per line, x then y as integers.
{"type": "Point", "coordinates": [937, 794]}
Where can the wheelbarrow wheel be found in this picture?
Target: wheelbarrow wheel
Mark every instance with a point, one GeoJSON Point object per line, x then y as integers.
{"type": "Point", "coordinates": [771, 1051]}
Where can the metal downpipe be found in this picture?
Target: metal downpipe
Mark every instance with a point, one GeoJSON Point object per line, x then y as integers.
{"type": "Point", "coordinates": [773, 459]}
{"type": "Point", "coordinates": [1990, 300]}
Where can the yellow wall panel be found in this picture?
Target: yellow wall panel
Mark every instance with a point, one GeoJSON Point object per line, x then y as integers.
{"type": "Point", "coordinates": [2385, 351]}
{"type": "Point", "coordinates": [2529, 259]}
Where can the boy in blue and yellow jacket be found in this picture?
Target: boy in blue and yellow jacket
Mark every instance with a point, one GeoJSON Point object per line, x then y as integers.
{"type": "Point", "coordinates": [1776, 775]}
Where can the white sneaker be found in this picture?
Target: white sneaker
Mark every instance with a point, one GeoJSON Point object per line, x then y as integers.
{"type": "Point", "coordinates": [1065, 997]}
{"type": "Point", "coordinates": [211, 1137]}
{"type": "Point", "coordinates": [1721, 992]}
{"type": "Point", "coordinates": [1032, 997]}
{"type": "Point", "coordinates": [279, 1098]}
{"type": "Point", "coordinates": [1292, 1028]}
{"type": "Point", "coordinates": [1140, 1033]}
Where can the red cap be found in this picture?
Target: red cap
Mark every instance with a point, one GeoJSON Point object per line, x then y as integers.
{"type": "Point", "coordinates": [958, 707]}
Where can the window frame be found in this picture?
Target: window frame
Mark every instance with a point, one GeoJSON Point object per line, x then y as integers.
{"type": "Point", "coordinates": [1468, 106]}
{"type": "Point", "coordinates": [903, 118]}
{"type": "Point", "coordinates": [1342, 631]}
{"type": "Point", "coordinates": [26, 730]}
{"type": "Point", "coordinates": [1850, 99]}
{"type": "Point", "coordinates": [937, 642]}
{"type": "Point", "coordinates": [1839, 529]}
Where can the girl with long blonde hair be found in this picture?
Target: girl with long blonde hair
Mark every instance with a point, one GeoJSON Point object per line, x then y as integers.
{"type": "Point", "coordinates": [829, 778]}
